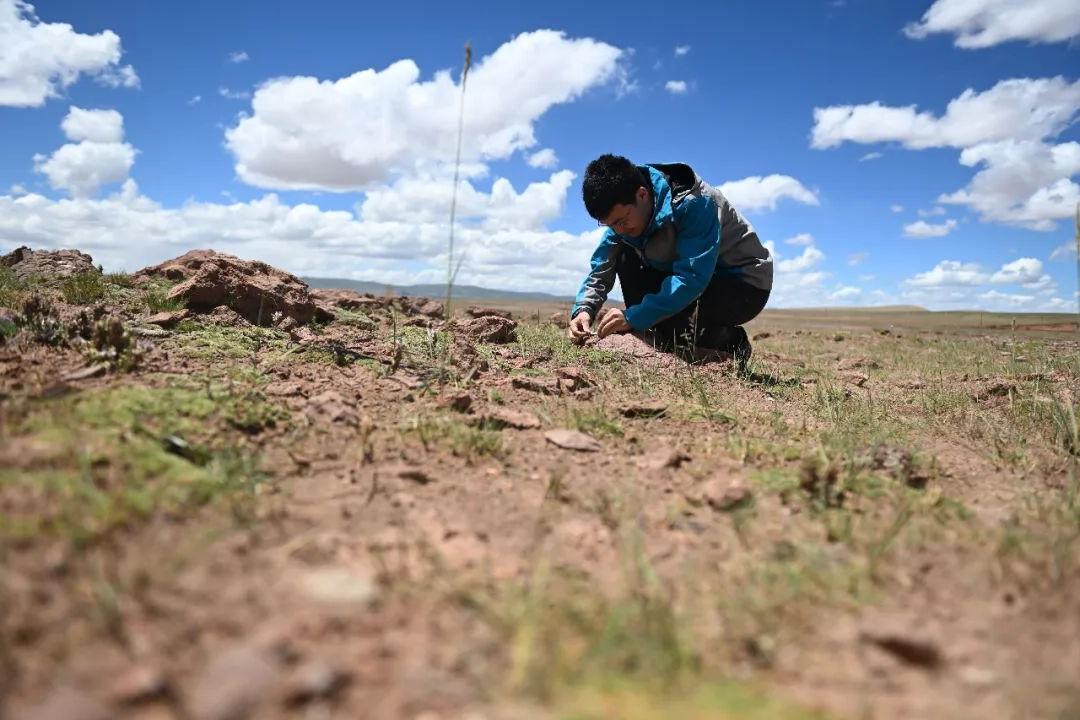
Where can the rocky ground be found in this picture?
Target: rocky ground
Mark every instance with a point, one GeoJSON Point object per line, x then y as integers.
{"type": "Point", "coordinates": [223, 495]}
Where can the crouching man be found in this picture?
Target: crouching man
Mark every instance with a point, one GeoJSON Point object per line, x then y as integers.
{"type": "Point", "coordinates": [691, 268]}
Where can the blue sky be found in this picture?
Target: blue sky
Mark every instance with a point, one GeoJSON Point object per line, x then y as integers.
{"type": "Point", "coordinates": [890, 152]}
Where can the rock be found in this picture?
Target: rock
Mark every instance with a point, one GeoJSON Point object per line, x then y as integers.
{"type": "Point", "coordinates": [761, 336]}
{"type": "Point", "coordinates": [572, 379]}
{"type": "Point", "coordinates": [233, 685]}
{"type": "Point", "coordinates": [168, 318]}
{"type": "Point", "coordinates": [138, 685]}
{"type": "Point", "coordinates": [663, 459]}
{"type": "Point", "coordinates": [995, 389]}
{"type": "Point", "coordinates": [90, 371]}
{"type": "Point", "coordinates": [407, 472]}
{"type": "Point", "coordinates": [854, 378]}
{"type": "Point", "coordinates": [432, 309]}
{"type": "Point", "coordinates": [489, 329]}
{"type": "Point", "coordinates": [903, 643]}
{"type": "Point", "coordinates": [643, 408]}
{"type": "Point", "coordinates": [338, 586]}
{"type": "Point", "coordinates": [721, 493]}
{"type": "Point", "coordinates": [506, 417]}
{"type": "Point", "coordinates": [457, 401]}
{"type": "Point", "coordinates": [314, 680]}
{"type": "Point", "coordinates": [572, 440]}
{"type": "Point", "coordinates": [858, 363]}
{"type": "Point", "coordinates": [332, 407]}
{"type": "Point", "coordinates": [349, 299]}
{"type": "Point", "coordinates": [27, 263]}
{"type": "Point", "coordinates": [253, 289]}
{"type": "Point", "coordinates": [898, 462]}
{"type": "Point", "coordinates": [475, 311]}
{"type": "Point", "coordinates": [67, 703]}
{"type": "Point", "coordinates": [543, 386]}
{"type": "Point", "coordinates": [560, 320]}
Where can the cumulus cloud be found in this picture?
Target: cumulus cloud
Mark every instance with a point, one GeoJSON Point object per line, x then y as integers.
{"type": "Point", "coordinates": [675, 87]}
{"type": "Point", "coordinates": [1019, 272]}
{"type": "Point", "coordinates": [127, 230]}
{"type": "Point", "coordinates": [756, 192]}
{"type": "Point", "coordinates": [983, 23]}
{"type": "Point", "coordinates": [811, 257]}
{"type": "Point", "coordinates": [950, 272]}
{"type": "Point", "coordinates": [1022, 178]}
{"type": "Point", "coordinates": [1026, 272]}
{"type": "Point", "coordinates": [545, 158]}
{"type": "Point", "coordinates": [923, 229]}
{"type": "Point", "coordinates": [681, 50]}
{"type": "Point", "coordinates": [802, 239]}
{"type": "Point", "coordinates": [97, 156]}
{"type": "Point", "coordinates": [1018, 109]}
{"type": "Point", "coordinates": [230, 94]}
{"type": "Point", "coordinates": [38, 60]}
{"type": "Point", "coordinates": [238, 57]}
{"type": "Point", "coordinates": [361, 130]}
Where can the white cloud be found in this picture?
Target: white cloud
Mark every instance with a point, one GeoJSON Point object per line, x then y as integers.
{"type": "Point", "coordinates": [756, 192]}
{"type": "Point", "coordinates": [238, 57]}
{"type": "Point", "coordinates": [18, 189]}
{"type": "Point", "coordinates": [983, 23]}
{"type": "Point", "coordinates": [811, 257]}
{"type": "Point", "coordinates": [354, 132]}
{"type": "Point", "coordinates": [97, 157]}
{"type": "Point", "coordinates": [38, 60]}
{"type": "Point", "coordinates": [802, 239]}
{"type": "Point", "coordinates": [857, 258]}
{"type": "Point", "coordinates": [1024, 183]}
{"type": "Point", "coordinates": [127, 230]}
{"type": "Point", "coordinates": [896, 208]}
{"type": "Point", "coordinates": [871, 156]}
{"type": "Point", "coordinates": [994, 297]}
{"type": "Point", "coordinates": [923, 229]}
{"type": "Point", "coordinates": [1018, 109]}
{"type": "Point", "coordinates": [675, 87]}
{"type": "Point", "coordinates": [935, 211]}
{"type": "Point", "coordinates": [846, 293]}
{"type": "Point", "coordinates": [681, 50]}
{"type": "Point", "coordinates": [950, 272]}
{"type": "Point", "coordinates": [195, 100]}
{"type": "Point", "coordinates": [545, 158]}
{"type": "Point", "coordinates": [1022, 179]}
{"type": "Point", "coordinates": [233, 94]}
{"type": "Point", "coordinates": [103, 126]}
{"type": "Point", "coordinates": [1064, 252]}
{"type": "Point", "coordinates": [1018, 272]}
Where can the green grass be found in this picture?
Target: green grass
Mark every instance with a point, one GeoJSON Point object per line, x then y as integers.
{"type": "Point", "coordinates": [460, 439]}
{"type": "Point", "coordinates": [118, 457]}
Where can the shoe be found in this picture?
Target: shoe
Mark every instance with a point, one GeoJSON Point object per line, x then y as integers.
{"type": "Point", "coordinates": [741, 348]}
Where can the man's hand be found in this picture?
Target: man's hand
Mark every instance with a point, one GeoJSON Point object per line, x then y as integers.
{"type": "Point", "coordinates": [579, 327]}
{"type": "Point", "coordinates": [613, 322]}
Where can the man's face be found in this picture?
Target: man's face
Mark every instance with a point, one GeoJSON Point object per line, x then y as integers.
{"type": "Point", "coordinates": [633, 219]}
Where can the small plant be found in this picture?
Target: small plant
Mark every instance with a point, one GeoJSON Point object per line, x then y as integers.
{"type": "Point", "coordinates": [40, 319]}
{"type": "Point", "coordinates": [157, 298]}
{"type": "Point", "coordinates": [12, 288]}
{"type": "Point", "coordinates": [112, 343]}
{"type": "Point", "coordinates": [83, 288]}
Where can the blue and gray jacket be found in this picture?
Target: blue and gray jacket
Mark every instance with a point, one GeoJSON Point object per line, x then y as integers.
{"type": "Point", "coordinates": [695, 234]}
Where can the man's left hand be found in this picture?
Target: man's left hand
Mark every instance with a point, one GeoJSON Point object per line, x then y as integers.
{"type": "Point", "coordinates": [614, 321]}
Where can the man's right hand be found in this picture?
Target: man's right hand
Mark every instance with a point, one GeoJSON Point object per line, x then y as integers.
{"type": "Point", "coordinates": [579, 327]}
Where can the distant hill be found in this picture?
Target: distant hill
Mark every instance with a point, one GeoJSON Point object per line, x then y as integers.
{"type": "Point", "coordinates": [472, 292]}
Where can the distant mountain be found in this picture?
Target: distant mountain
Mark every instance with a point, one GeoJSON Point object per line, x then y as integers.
{"type": "Point", "coordinates": [471, 292]}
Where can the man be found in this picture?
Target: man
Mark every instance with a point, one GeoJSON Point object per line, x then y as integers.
{"type": "Point", "coordinates": [691, 268]}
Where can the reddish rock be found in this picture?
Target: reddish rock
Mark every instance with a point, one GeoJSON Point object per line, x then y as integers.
{"type": "Point", "coordinates": [721, 493]}
{"type": "Point", "coordinates": [168, 318]}
{"type": "Point", "coordinates": [572, 440]}
{"type": "Point", "coordinates": [559, 319]}
{"type": "Point", "coordinates": [501, 417]}
{"type": "Point", "coordinates": [349, 299]}
{"type": "Point", "coordinates": [26, 263]}
{"type": "Point", "coordinates": [457, 401]}
{"type": "Point", "coordinates": [476, 311]}
{"type": "Point", "coordinates": [253, 289]}
{"type": "Point", "coordinates": [489, 329]}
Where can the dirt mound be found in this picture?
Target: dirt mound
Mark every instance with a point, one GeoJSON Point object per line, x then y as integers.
{"type": "Point", "coordinates": [350, 299]}
{"type": "Point", "coordinates": [261, 294]}
{"type": "Point", "coordinates": [477, 311]}
{"type": "Point", "coordinates": [27, 263]}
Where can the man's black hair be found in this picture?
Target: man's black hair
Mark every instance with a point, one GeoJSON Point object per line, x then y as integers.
{"type": "Point", "coordinates": [610, 180]}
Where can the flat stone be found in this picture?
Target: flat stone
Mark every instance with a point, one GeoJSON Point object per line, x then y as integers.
{"type": "Point", "coordinates": [233, 684]}
{"type": "Point", "coordinates": [572, 440]}
{"type": "Point", "coordinates": [643, 408]}
{"type": "Point", "coordinates": [508, 417]}
{"type": "Point", "coordinates": [90, 371]}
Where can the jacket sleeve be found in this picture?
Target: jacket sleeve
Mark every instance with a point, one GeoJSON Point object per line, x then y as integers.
{"type": "Point", "coordinates": [601, 278]}
{"type": "Point", "coordinates": [698, 248]}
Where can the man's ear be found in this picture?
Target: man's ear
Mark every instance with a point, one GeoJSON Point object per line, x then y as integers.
{"type": "Point", "coordinates": [642, 193]}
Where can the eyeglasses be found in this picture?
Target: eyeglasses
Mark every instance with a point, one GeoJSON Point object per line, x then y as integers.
{"type": "Point", "coordinates": [620, 224]}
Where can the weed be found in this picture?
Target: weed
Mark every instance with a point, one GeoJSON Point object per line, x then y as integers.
{"type": "Point", "coordinates": [458, 438]}
{"type": "Point", "coordinates": [156, 297]}
{"type": "Point", "coordinates": [84, 288]}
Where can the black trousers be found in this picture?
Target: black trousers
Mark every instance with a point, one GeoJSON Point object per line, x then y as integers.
{"type": "Point", "coordinates": [725, 304]}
